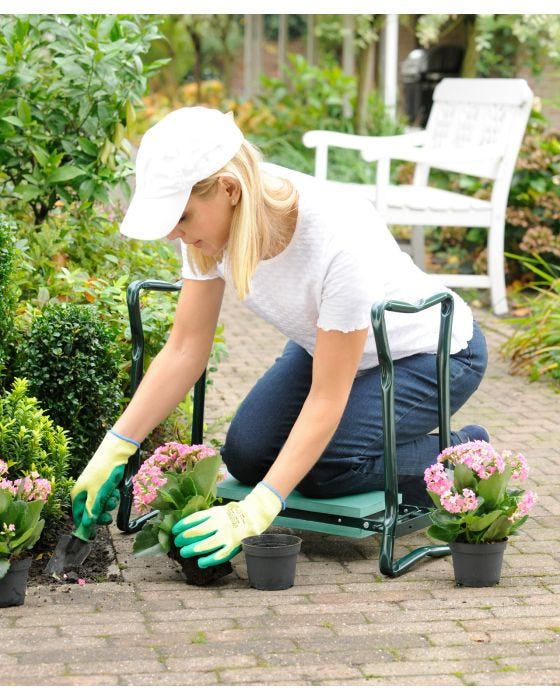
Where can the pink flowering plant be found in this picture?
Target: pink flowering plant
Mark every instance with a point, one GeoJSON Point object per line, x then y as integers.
{"type": "Point", "coordinates": [482, 500]}
{"type": "Point", "coordinates": [21, 503]}
{"type": "Point", "coordinates": [176, 480]}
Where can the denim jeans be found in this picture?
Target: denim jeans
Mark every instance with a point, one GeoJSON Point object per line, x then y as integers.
{"type": "Point", "coordinates": [353, 460]}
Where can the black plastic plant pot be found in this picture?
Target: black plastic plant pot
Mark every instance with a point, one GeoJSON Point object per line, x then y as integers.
{"type": "Point", "coordinates": [477, 565]}
{"type": "Point", "coordinates": [271, 560]}
{"type": "Point", "coordinates": [14, 584]}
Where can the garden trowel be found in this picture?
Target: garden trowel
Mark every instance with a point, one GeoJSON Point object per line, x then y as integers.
{"type": "Point", "coordinates": [71, 551]}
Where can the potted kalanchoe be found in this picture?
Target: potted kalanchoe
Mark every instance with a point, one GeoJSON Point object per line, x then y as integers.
{"type": "Point", "coordinates": [478, 506]}
{"type": "Point", "coordinates": [176, 480]}
{"type": "Point", "coordinates": [21, 503]}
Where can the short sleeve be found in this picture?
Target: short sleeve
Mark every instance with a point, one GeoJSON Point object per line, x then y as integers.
{"type": "Point", "coordinates": [348, 292]}
{"type": "Point", "coordinates": [189, 273]}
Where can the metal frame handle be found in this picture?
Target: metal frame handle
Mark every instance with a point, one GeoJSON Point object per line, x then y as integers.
{"type": "Point", "coordinates": [387, 564]}
{"type": "Point", "coordinates": [124, 523]}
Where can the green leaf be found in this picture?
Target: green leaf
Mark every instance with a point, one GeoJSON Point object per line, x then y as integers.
{"type": "Point", "coordinates": [14, 121]}
{"type": "Point", "coordinates": [494, 488]}
{"type": "Point", "coordinates": [480, 522]}
{"type": "Point", "coordinates": [440, 533]}
{"type": "Point", "coordinates": [5, 499]}
{"type": "Point", "coordinates": [204, 475]}
{"type": "Point", "coordinates": [168, 522]}
{"type": "Point", "coordinates": [40, 155]}
{"type": "Point", "coordinates": [146, 539]}
{"type": "Point", "coordinates": [164, 541]}
{"type": "Point", "coordinates": [4, 567]}
{"type": "Point", "coordinates": [498, 530]}
{"type": "Point", "coordinates": [24, 111]}
{"type": "Point", "coordinates": [65, 173]}
{"type": "Point", "coordinates": [463, 478]}
{"type": "Point", "coordinates": [195, 504]}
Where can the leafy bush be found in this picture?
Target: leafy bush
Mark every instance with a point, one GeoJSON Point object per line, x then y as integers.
{"type": "Point", "coordinates": [71, 261]}
{"type": "Point", "coordinates": [311, 97]}
{"type": "Point", "coordinates": [30, 441]}
{"type": "Point", "coordinates": [71, 361]}
{"type": "Point", "coordinates": [67, 95]}
{"type": "Point", "coordinates": [8, 295]}
{"type": "Point", "coordinates": [534, 347]}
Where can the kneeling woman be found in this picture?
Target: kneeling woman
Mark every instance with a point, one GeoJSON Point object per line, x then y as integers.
{"type": "Point", "coordinates": [311, 260]}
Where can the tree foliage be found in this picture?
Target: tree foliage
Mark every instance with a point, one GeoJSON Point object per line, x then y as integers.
{"type": "Point", "coordinates": [68, 87]}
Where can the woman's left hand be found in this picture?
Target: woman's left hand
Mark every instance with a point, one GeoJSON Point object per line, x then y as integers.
{"type": "Point", "coordinates": [218, 531]}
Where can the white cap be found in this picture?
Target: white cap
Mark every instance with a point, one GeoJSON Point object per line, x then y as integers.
{"type": "Point", "coordinates": [185, 147]}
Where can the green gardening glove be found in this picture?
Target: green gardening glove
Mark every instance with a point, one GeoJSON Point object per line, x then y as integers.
{"type": "Point", "coordinates": [218, 531]}
{"type": "Point", "coordinates": [95, 493]}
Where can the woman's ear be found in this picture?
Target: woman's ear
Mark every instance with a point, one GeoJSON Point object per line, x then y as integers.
{"type": "Point", "coordinates": [232, 189]}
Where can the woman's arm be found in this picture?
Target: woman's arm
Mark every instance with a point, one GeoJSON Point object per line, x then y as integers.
{"type": "Point", "coordinates": [181, 361]}
{"type": "Point", "coordinates": [335, 363]}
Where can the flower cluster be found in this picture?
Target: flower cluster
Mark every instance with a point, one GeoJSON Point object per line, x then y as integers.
{"type": "Point", "coordinates": [171, 457]}
{"type": "Point", "coordinates": [474, 491]}
{"type": "Point", "coordinates": [29, 488]}
{"type": "Point", "coordinates": [479, 456]}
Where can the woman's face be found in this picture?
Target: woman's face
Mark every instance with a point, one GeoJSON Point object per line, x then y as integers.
{"type": "Point", "coordinates": [206, 221]}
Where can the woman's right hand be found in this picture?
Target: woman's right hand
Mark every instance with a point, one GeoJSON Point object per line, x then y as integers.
{"type": "Point", "coordinates": [95, 493]}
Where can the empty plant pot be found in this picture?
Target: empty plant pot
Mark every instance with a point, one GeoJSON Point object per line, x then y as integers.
{"type": "Point", "coordinates": [271, 560]}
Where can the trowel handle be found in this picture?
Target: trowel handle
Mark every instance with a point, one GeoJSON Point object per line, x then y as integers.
{"type": "Point", "coordinates": [84, 533]}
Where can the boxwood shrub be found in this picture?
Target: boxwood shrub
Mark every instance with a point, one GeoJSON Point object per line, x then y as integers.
{"type": "Point", "coordinates": [71, 361]}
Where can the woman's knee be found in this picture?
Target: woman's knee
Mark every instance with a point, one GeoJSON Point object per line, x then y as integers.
{"type": "Point", "coordinates": [243, 459]}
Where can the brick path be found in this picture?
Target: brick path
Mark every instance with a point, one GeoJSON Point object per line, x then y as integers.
{"type": "Point", "coordinates": [342, 623]}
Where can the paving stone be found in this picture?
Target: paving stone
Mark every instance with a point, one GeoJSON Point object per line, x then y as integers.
{"type": "Point", "coordinates": [342, 623]}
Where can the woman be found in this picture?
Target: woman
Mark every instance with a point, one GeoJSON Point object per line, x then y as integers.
{"type": "Point", "coordinates": [311, 260]}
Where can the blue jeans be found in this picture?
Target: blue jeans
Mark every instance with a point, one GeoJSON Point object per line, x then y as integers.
{"type": "Point", "coordinates": [353, 460]}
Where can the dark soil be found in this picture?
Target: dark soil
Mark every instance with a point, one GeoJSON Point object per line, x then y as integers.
{"type": "Point", "coordinates": [194, 575]}
{"type": "Point", "coordinates": [94, 569]}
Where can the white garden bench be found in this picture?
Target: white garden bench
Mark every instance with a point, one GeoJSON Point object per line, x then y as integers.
{"type": "Point", "coordinates": [475, 127]}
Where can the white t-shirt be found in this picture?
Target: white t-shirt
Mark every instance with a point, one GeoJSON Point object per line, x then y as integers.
{"type": "Point", "coordinates": [341, 259]}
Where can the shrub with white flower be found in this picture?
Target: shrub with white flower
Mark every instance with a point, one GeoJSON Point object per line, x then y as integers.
{"type": "Point", "coordinates": [476, 498]}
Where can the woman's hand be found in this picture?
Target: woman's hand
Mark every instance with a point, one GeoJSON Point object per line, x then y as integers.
{"type": "Point", "coordinates": [96, 490]}
{"type": "Point", "coordinates": [218, 531]}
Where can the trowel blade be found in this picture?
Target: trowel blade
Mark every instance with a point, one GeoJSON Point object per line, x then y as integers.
{"type": "Point", "coordinates": [70, 553]}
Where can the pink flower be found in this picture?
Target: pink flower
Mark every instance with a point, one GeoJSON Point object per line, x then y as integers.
{"type": "Point", "coordinates": [32, 487]}
{"type": "Point", "coordinates": [81, 582]}
{"type": "Point", "coordinates": [437, 480]}
{"type": "Point", "coordinates": [526, 503]}
{"type": "Point", "coordinates": [518, 465]}
{"type": "Point", "coordinates": [3, 467]}
{"type": "Point", "coordinates": [457, 503]}
{"type": "Point", "coordinates": [479, 456]}
{"type": "Point", "coordinates": [170, 457]}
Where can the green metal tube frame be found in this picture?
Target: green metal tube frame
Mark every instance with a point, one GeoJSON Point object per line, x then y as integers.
{"type": "Point", "coordinates": [136, 372]}
{"type": "Point", "coordinates": [387, 564]}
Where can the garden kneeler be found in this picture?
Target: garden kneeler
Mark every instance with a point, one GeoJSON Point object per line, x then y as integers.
{"type": "Point", "coordinates": [362, 515]}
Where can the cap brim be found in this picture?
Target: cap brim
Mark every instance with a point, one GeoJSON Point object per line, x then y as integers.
{"type": "Point", "coordinates": [148, 219]}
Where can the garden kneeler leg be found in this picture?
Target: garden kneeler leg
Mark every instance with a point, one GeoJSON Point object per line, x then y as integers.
{"type": "Point", "coordinates": [387, 565]}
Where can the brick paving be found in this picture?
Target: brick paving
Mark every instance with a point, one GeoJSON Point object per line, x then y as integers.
{"type": "Point", "coordinates": [342, 623]}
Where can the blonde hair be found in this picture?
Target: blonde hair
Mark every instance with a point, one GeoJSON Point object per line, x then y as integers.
{"type": "Point", "coordinates": [258, 226]}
